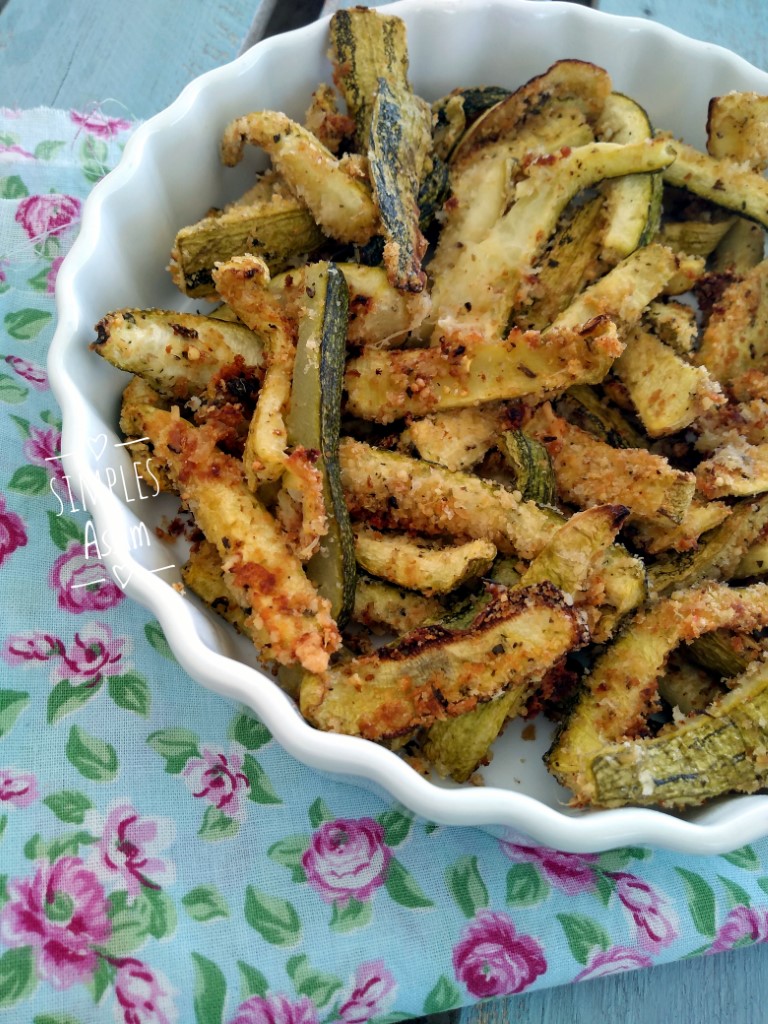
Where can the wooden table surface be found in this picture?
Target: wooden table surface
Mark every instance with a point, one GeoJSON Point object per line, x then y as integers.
{"type": "Point", "coordinates": [132, 60]}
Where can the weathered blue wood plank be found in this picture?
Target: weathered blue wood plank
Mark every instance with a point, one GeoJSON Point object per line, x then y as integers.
{"type": "Point", "coordinates": [133, 58]}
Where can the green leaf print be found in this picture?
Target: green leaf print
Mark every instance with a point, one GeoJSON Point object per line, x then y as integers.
{"type": "Point", "coordinates": [403, 887]}
{"type": "Point", "coordinates": [54, 1018]}
{"type": "Point", "coordinates": [22, 425]}
{"type": "Point", "coordinates": [48, 149]}
{"type": "Point", "coordinates": [319, 812]}
{"type": "Point", "coordinates": [583, 934]}
{"type": "Point", "coordinates": [210, 990]}
{"type": "Point", "coordinates": [260, 790]}
{"type": "Point", "coordinates": [745, 858]}
{"type": "Point", "coordinates": [249, 732]}
{"type": "Point", "coordinates": [217, 825]}
{"type": "Point", "coordinates": [66, 844]}
{"type": "Point", "coordinates": [69, 805]}
{"type": "Point", "coordinates": [130, 692]}
{"type": "Point", "coordinates": [12, 187]}
{"type": "Point", "coordinates": [525, 886]}
{"type": "Point", "coordinates": [176, 746]}
{"type": "Point", "coordinates": [3, 824]}
{"type": "Point", "coordinates": [349, 916]}
{"type": "Point", "coordinates": [701, 901]}
{"type": "Point", "coordinates": [205, 903]}
{"type": "Point", "coordinates": [467, 886]}
{"type": "Point", "coordinates": [17, 975]}
{"type": "Point", "coordinates": [288, 852]}
{"type": "Point", "coordinates": [273, 918]}
{"type": "Point", "coordinates": [93, 757]}
{"type": "Point", "coordinates": [444, 996]}
{"type": "Point", "coordinates": [11, 392]}
{"type": "Point", "coordinates": [151, 913]}
{"type": "Point", "coordinates": [64, 530]}
{"type": "Point", "coordinates": [153, 631]}
{"type": "Point", "coordinates": [32, 480]}
{"type": "Point", "coordinates": [252, 981]}
{"type": "Point", "coordinates": [64, 699]}
{"type": "Point", "coordinates": [3, 889]}
{"type": "Point", "coordinates": [737, 897]}
{"type": "Point", "coordinates": [308, 981]}
{"type": "Point", "coordinates": [25, 324]}
{"type": "Point", "coordinates": [12, 703]}
{"type": "Point", "coordinates": [102, 978]}
{"type": "Point", "coordinates": [397, 826]}
{"type": "Point", "coordinates": [39, 282]}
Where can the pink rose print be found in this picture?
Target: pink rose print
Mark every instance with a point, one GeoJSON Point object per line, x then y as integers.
{"type": "Point", "coordinates": [99, 124]}
{"type": "Point", "coordinates": [53, 273]}
{"type": "Point", "coordinates": [655, 921]}
{"type": "Point", "coordinates": [24, 649]}
{"type": "Point", "coordinates": [347, 859]}
{"type": "Point", "coordinates": [15, 149]}
{"type": "Point", "coordinates": [275, 1009]}
{"type": "Point", "coordinates": [741, 923]}
{"type": "Point", "coordinates": [129, 849]}
{"type": "Point", "coordinates": [571, 872]}
{"type": "Point", "coordinates": [95, 653]}
{"type": "Point", "coordinates": [12, 532]}
{"type": "Point", "coordinates": [61, 913]}
{"type": "Point", "coordinates": [143, 996]}
{"type": "Point", "coordinates": [50, 214]}
{"type": "Point", "coordinates": [372, 992]}
{"type": "Point", "coordinates": [219, 779]}
{"type": "Point", "coordinates": [17, 788]}
{"type": "Point", "coordinates": [82, 583]}
{"type": "Point", "coordinates": [492, 959]}
{"type": "Point", "coordinates": [614, 961]}
{"type": "Point", "coordinates": [31, 372]}
{"type": "Point", "coordinates": [42, 448]}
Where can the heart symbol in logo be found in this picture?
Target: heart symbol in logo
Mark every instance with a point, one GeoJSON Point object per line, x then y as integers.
{"type": "Point", "coordinates": [122, 575]}
{"type": "Point", "coordinates": [97, 445]}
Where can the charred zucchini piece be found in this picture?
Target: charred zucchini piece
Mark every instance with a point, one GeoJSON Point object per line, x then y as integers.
{"type": "Point", "coordinates": [280, 230]}
{"type": "Point", "coordinates": [381, 605]}
{"type": "Point", "coordinates": [421, 565]}
{"type": "Point", "coordinates": [468, 370]}
{"type": "Point", "coordinates": [589, 471]}
{"type": "Point", "coordinates": [668, 393]}
{"type": "Point", "coordinates": [313, 423]}
{"type": "Point", "coordinates": [633, 204]}
{"type": "Point", "coordinates": [724, 182]}
{"type": "Point", "coordinates": [340, 203]}
{"type": "Point", "coordinates": [400, 141]}
{"type": "Point", "coordinates": [719, 554]}
{"type": "Point", "coordinates": [454, 113]}
{"type": "Point", "coordinates": [366, 46]}
{"type": "Point", "coordinates": [176, 353]}
{"type": "Point", "coordinates": [608, 710]}
{"type": "Point", "coordinates": [716, 752]}
{"type": "Point", "coordinates": [529, 461]}
{"type": "Point", "coordinates": [435, 673]}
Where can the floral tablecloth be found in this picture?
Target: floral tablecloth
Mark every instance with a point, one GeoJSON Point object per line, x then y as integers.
{"type": "Point", "coordinates": [161, 858]}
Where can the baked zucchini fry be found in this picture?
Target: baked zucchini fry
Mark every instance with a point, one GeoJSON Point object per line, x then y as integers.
{"type": "Point", "coordinates": [457, 746]}
{"type": "Point", "coordinates": [365, 46]}
{"type": "Point", "coordinates": [469, 369]}
{"type": "Point", "coordinates": [724, 182]}
{"type": "Point", "coordinates": [530, 463]}
{"type": "Point", "coordinates": [176, 353]}
{"type": "Point", "coordinates": [435, 672]}
{"type": "Point", "coordinates": [668, 393]}
{"type": "Point", "coordinates": [735, 470]}
{"type": "Point", "coordinates": [380, 605]}
{"type": "Point", "coordinates": [674, 323]}
{"type": "Point", "coordinates": [721, 750]}
{"type": "Point", "coordinates": [726, 654]}
{"type": "Point", "coordinates": [417, 564]}
{"type": "Point", "coordinates": [655, 535]}
{"type": "Point", "coordinates": [754, 561]}
{"type": "Point", "coordinates": [590, 472]}
{"type": "Point", "coordinates": [735, 338]}
{"type": "Point", "coordinates": [694, 237]}
{"type": "Point", "coordinates": [584, 407]}
{"type": "Point", "coordinates": [719, 553]}
{"type": "Point", "coordinates": [263, 574]}
{"type": "Point", "coordinates": [280, 230]}
{"type": "Point", "coordinates": [379, 314]}
{"type": "Point", "coordinates": [633, 204]}
{"type": "Point", "coordinates": [621, 690]}
{"type": "Point", "coordinates": [737, 128]}
{"type": "Point", "coordinates": [741, 248]}
{"type": "Point", "coordinates": [340, 203]}
{"type": "Point", "coordinates": [458, 439]}
{"type": "Point", "coordinates": [242, 283]}
{"type": "Point", "coordinates": [400, 142]}
{"type": "Point", "coordinates": [203, 573]}
{"type": "Point", "coordinates": [394, 491]}
{"type": "Point", "coordinates": [488, 279]}
{"type": "Point", "coordinates": [454, 113]}
{"type": "Point", "coordinates": [313, 425]}
{"type": "Point", "coordinates": [687, 687]}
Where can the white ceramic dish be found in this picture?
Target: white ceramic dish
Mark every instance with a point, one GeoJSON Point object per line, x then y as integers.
{"type": "Point", "coordinates": [169, 175]}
